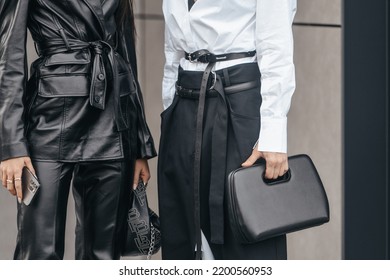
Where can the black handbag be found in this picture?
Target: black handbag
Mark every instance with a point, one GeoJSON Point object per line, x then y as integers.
{"type": "Point", "coordinates": [259, 209]}
{"type": "Point", "coordinates": [143, 232]}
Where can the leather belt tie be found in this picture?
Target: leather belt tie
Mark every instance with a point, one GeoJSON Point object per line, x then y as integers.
{"type": "Point", "coordinates": [205, 56]}
{"type": "Point", "coordinates": [101, 52]}
{"type": "Point", "coordinates": [219, 147]}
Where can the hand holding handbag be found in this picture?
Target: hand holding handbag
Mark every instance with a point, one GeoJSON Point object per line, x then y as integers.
{"type": "Point", "coordinates": [260, 209]}
{"type": "Point", "coordinates": [143, 232]}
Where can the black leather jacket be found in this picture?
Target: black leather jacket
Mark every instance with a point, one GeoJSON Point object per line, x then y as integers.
{"type": "Point", "coordinates": [82, 100]}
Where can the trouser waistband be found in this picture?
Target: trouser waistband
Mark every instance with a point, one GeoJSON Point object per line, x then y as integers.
{"type": "Point", "coordinates": [194, 94]}
{"type": "Point", "coordinates": [229, 76]}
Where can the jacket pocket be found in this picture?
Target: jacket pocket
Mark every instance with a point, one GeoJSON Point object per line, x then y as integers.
{"type": "Point", "coordinates": [64, 86]}
{"type": "Point", "coordinates": [65, 75]}
{"type": "Point", "coordinates": [126, 83]}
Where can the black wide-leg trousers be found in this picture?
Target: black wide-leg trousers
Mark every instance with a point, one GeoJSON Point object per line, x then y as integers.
{"type": "Point", "coordinates": [176, 159]}
{"type": "Point", "coordinates": [101, 192]}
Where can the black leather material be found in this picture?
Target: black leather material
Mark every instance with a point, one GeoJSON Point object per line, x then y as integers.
{"type": "Point", "coordinates": [194, 94]}
{"type": "Point", "coordinates": [100, 190]}
{"type": "Point", "coordinates": [47, 117]}
{"type": "Point", "coordinates": [205, 56]}
{"type": "Point", "coordinates": [143, 233]}
{"type": "Point", "coordinates": [260, 210]}
{"type": "Point", "coordinates": [197, 156]}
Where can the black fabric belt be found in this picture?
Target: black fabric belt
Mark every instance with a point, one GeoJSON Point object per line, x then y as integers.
{"type": "Point", "coordinates": [204, 56]}
{"type": "Point", "coordinates": [194, 93]}
{"type": "Point", "coordinates": [219, 144]}
{"type": "Point", "coordinates": [103, 54]}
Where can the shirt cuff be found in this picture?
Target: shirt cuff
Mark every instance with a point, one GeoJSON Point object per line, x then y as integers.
{"type": "Point", "coordinates": [273, 135]}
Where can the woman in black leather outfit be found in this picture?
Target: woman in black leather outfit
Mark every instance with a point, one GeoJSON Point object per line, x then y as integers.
{"type": "Point", "coordinates": [80, 116]}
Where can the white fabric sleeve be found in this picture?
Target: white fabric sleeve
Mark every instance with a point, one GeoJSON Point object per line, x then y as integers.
{"type": "Point", "coordinates": [172, 58]}
{"type": "Point", "coordinates": [274, 46]}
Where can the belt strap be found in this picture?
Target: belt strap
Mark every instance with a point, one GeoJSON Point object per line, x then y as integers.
{"type": "Point", "coordinates": [101, 51]}
{"type": "Point", "coordinates": [219, 146]}
{"type": "Point", "coordinates": [198, 154]}
{"type": "Point", "coordinates": [205, 56]}
{"type": "Point", "coordinates": [194, 93]}
{"type": "Point", "coordinates": [218, 163]}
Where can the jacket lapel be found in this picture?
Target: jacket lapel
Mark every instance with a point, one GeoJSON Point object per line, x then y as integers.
{"type": "Point", "coordinates": [96, 8]}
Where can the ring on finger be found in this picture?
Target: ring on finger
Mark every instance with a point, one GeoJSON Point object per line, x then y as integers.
{"type": "Point", "coordinates": [9, 181]}
{"type": "Point", "coordinates": [18, 179]}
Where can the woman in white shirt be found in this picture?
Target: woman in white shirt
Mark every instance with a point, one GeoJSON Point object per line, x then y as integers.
{"type": "Point", "coordinates": [221, 113]}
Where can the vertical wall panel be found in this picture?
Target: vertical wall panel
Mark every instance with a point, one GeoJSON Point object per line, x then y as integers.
{"type": "Point", "coordinates": [315, 122]}
{"type": "Point", "coordinates": [153, 7]}
{"type": "Point", "coordinates": [151, 62]}
{"type": "Point", "coordinates": [366, 119]}
{"type": "Point", "coordinates": [315, 128]}
{"type": "Point", "coordinates": [8, 231]}
{"type": "Point", "coordinates": [319, 11]}
{"type": "Point", "coordinates": [150, 52]}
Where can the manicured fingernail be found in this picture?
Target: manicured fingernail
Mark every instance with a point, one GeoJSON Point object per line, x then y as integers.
{"type": "Point", "coordinates": [19, 200]}
{"type": "Point", "coordinates": [134, 186]}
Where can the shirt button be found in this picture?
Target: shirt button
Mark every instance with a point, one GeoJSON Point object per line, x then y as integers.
{"type": "Point", "coordinates": [101, 77]}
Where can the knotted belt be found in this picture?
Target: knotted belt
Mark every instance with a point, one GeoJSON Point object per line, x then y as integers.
{"type": "Point", "coordinates": [219, 147]}
{"type": "Point", "coordinates": [103, 54]}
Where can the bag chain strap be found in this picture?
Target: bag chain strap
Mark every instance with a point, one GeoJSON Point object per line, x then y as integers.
{"type": "Point", "coordinates": [152, 241]}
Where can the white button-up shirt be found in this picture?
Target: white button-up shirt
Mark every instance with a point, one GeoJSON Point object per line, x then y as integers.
{"type": "Point", "coordinates": [227, 26]}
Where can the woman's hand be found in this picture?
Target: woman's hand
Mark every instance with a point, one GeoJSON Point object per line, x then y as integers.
{"type": "Point", "coordinates": [11, 174]}
{"type": "Point", "coordinates": [141, 172]}
{"type": "Point", "coordinates": [276, 163]}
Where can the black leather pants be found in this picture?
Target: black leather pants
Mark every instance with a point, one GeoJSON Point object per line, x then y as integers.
{"type": "Point", "coordinates": [101, 192]}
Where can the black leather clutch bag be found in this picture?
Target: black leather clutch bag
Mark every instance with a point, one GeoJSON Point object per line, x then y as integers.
{"type": "Point", "coordinates": [260, 209]}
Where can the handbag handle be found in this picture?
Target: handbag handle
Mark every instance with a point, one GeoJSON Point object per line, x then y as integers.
{"type": "Point", "coordinates": [281, 179]}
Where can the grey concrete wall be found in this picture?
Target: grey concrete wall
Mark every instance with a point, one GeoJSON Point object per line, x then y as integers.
{"type": "Point", "coordinates": [315, 122]}
{"type": "Point", "coordinates": [314, 119]}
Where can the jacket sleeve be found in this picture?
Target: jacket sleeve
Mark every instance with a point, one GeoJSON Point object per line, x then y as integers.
{"type": "Point", "coordinates": [145, 143]}
{"type": "Point", "coordinates": [13, 71]}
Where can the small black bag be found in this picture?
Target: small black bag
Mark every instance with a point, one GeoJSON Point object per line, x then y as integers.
{"type": "Point", "coordinates": [260, 209]}
{"type": "Point", "coordinates": [143, 232]}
